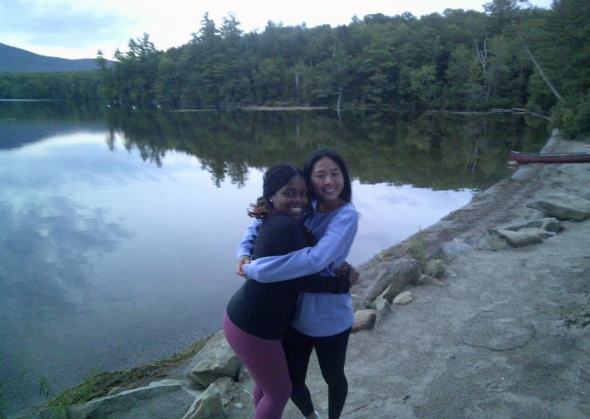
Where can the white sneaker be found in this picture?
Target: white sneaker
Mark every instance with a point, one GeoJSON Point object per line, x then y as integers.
{"type": "Point", "coordinates": [317, 415]}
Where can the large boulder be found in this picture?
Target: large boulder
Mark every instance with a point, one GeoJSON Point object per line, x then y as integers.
{"type": "Point", "coordinates": [215, 360]}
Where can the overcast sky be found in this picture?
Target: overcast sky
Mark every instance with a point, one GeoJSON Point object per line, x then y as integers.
{"type": "Point", "coordinates": [79, 28]}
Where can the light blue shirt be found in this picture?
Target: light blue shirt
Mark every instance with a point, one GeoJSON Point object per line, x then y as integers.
{"type": "Point", "coordinates": [318, 314]}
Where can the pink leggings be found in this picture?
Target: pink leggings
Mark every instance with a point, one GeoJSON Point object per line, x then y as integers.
{"type": "Point", "coordinates": [265, 360]}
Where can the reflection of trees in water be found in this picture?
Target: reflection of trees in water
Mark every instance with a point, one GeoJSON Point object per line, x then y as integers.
{"type": "Point", "coordinates": [45, 254]}
{"type": "Point", "coordinates": [22, 123]}
{"type": "Point", "coordinates": [432, 150]}
{"type": "Point", "coordinates": [53, 110]}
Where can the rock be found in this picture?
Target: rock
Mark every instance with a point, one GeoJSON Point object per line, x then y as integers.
{"type": "Point", "coordinates": [548, 224]}
{"type": "Point", "coordinates": [215, 360]}
{"type": "Point", "coordinates": [395, 278]}
{"type": "Point", "coordinates": [563, 207]}
{"type": "Point", "coordinates": [358, 303]}
{"type": "Point", "coordinates": [227, 388]}
{"type": "Point", "coordinates": [521, 234]}
{"type": "Point", "coordinates": [428, 280]}
{"type": "Point", "coordinates": [493, 242]}
{"type": "Point", "coordinates": [207, 406]}
{"type": "Point", "coordinates": [542, 233]}
{"type": "Point", "coordinates": [244, 375]}
{"type": "Point", "coordinates": [364, 320]}
{"type": "Point", "coordinates": [383, 309]}
{"type": "Point", "coordinates": [163, 399]}
{"type": "Point", "coordinates": [450, 250]}
{"type": "Point", "coordinates": [403, 298]}
{"type": "Point", "coordinates": [517, 238]}
{"type": "Point", "coordinates": [435, 268]}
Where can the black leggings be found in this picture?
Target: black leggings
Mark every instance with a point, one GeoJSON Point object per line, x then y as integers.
{"type": "Point", "coordinates": [331, 353]}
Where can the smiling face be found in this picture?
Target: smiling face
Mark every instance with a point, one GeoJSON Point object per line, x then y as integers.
{"type": "Point", "coordinates": [292, 198]}
{"type": "Point", "coordinates": [327, 182]}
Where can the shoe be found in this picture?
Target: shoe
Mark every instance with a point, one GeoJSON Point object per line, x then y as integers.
{"type": "Point", "coordinates": [317, 415]}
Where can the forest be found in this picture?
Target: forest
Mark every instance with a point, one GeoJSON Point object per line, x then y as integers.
{"type": "Point", "coordinates": [511, 56]}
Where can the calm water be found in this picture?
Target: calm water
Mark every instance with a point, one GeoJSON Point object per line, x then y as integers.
{"type": "Point", "coordinates": [118, 229]}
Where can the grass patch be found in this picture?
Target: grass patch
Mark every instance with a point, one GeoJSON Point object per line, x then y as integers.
{"type": "Point", "coordinates": [100, 384]}
{"type": "Point", "coordinates": [417, 248]}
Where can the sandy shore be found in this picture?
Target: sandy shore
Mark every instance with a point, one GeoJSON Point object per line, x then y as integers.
{"type": "Point", "coordinates": [505, 336]}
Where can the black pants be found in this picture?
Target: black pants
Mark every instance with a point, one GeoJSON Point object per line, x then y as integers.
{"type": "Point", "coordinates": [331, 353]}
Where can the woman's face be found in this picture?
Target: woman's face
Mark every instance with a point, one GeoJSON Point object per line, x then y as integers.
{"type": "Point", "coordinates": [327, 180]}
{"type": "Point", "coordinates": [292, 198]}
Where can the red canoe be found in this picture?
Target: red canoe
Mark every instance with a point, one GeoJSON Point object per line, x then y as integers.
{"type": "Point", "coordinates": [549, 157]}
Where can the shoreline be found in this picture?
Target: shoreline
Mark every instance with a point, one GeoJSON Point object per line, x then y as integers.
{"type": "Point", "coordinates": [499, 204]}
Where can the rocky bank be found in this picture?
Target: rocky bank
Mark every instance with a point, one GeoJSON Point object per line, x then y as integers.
{"type": "Point", "coordinates": [484, 315]}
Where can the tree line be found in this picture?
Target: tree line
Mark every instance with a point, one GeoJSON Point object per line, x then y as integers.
{"type": "Point", "coordinates": [510, 56]}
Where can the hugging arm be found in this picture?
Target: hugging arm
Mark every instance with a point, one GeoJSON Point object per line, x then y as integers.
{"type": "Point", "coordinates": [324, 284]}
{"type": "Point", "coordinates": [246, 246]}
{"type": "Point", "coordinates": [282, 235]}
{"type": "Point", "coordinates": [338, 236]}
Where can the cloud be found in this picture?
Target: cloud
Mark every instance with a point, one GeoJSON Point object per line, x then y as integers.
{"type": "Point", "coordinates": [69, 24]}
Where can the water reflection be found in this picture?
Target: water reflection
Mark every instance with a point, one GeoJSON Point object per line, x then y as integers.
{"type": "Point", "coordinates": [27, 122]}
{"type": "Point", "coordinates": [44, 254]}
{"type": "Point", "coordinates": [435, 150]}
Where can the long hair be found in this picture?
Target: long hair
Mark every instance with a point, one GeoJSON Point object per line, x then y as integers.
{"type": "Point", "coordinates": [312, 159]}
{"type": "Point", "coordinates": [274, 180]}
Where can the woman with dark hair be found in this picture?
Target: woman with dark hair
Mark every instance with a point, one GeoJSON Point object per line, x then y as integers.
{"type": "Point", "coordinates": [323, 321]}
{"type": "Point", "coordinates": [259, 314]}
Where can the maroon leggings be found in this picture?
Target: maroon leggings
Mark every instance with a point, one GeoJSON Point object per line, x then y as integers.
{"type": "Point", "coordinates": [265, 360]}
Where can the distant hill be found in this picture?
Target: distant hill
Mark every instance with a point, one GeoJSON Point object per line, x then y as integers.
{"type": "Point", "coordinates": [16, 60]}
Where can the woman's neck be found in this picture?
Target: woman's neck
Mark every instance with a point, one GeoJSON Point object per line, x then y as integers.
{"type": "Point", "coordinates": [329, 206]}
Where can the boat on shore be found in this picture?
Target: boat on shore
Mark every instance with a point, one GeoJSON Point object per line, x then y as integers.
{"type": "Point", "coordinates": [520, 157]}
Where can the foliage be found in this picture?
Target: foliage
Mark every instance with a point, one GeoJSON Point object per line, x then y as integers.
{"type": "Point", "coordinates": [60, 406]}
{"type": "Point", "coordinates": [100, 384]}
{"type": "Point", "coordinates": [76, 85]}
{"type": "Point", "coordinates": [511, 56]}
{"type": "Point", "coordinates": [417, 249]}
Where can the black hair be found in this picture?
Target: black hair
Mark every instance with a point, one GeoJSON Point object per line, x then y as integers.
{"type": "Point", "coordinates": [312, 159]}
{"type": "Point", "coordinates": [274, 180]}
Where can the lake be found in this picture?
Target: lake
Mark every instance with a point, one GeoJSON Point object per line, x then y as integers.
{"type": "Point", "coordinates": [119, 226]}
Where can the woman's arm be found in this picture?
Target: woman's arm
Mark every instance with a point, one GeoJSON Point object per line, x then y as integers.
{"type": "Point", "coordinates": [246, 246]}
{"type": "Point", "coordinates": [281, 235]}
{"type": "Point", "coordinates": [331, 246]}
